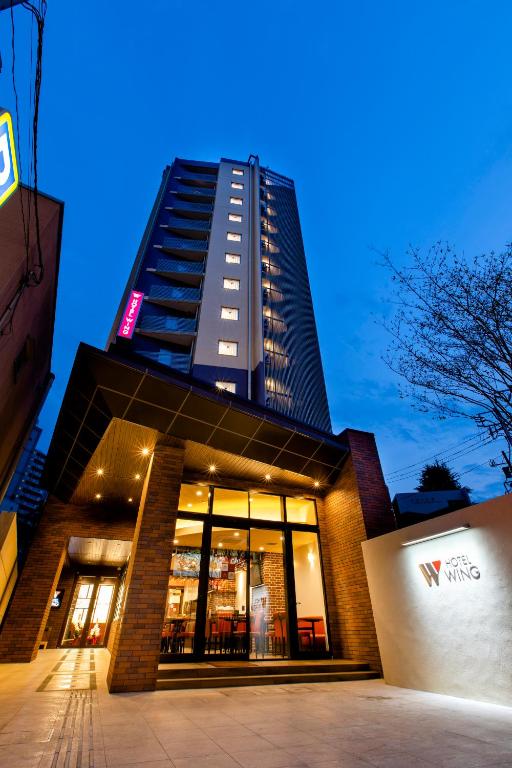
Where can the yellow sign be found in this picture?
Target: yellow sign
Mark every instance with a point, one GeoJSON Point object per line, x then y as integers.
{"type": "Point", "coordinates": [8, 165]}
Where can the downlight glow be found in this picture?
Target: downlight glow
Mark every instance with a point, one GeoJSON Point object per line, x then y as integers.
{"type": "Point", "coordinates": [460, 528]}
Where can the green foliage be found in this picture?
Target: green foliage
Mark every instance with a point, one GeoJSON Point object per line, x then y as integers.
{"type": "Point", "coordinates": [438, 477]}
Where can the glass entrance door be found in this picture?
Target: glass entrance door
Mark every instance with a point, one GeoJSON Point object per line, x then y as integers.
{"type": "Point", "coordinates": [269, 615]}
{"type": "Point", "coordinates": [226, 628]}
{"type": "Point", "coordinates": [89, 615]}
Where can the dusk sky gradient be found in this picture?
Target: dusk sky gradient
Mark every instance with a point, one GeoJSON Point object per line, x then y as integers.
{"type": "Point", "coordinates": [394, 119]}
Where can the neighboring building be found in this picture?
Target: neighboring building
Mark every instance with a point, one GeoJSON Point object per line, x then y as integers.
{"type": "Point", "coordinates": [226, 290]}
{"type": "Point", "coordinates": [411, 508]}
{"type": "Point", "coordinates": [27, 313]}
{"type": "Point", "coordinates": [25, 494]}
{"type": "Point", "coordinates": [200, 507]}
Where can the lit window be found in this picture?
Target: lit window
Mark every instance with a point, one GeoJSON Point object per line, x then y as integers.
{"type": "Point", "coordinates": [236, 237]}
{"type": "Point", "coordinates": [232, 258]}
{"type": "Point", "coordinates": [235, 200]}
{"type": "Point", "coordinates": [237, 172]}
{"type": "Point", "coordinates": [229, 313]}
{"type": "Point", "coordinates": [229, 386]}
{"type": "Point", "coordinates": [228, 348]}
{"type": "Point", "coordinates": [236, 185]}
{"type": "Point", "coordinates": [235, 217]}
{"type": "Point", "coordinates": [231, 284]}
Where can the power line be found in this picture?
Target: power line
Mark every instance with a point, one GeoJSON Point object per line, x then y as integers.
{"type": "Point", "coordinates": [457, 455]}
{"type": "Point", "coordinates": [455, 447]}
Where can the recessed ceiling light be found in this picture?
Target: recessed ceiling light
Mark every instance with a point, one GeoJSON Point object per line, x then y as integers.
{"type": "Point", "coordinates": [268, 476]}
{"type": "Point", "coordinates": [130, 499]}
{"type": "Point", "coordinates": [145, 451]}
{"type": "Point", "coordinates": [98, 496]}
{"type": "Point", "coordinates": [137, 476]}
{"type": "Point", "coordinates": [199, 493]}
{"type": "Point", "coordinates": [212, 468]}
{"type": "Point", "coordinates": [99, 471]}
{"type": "Point", "coordinates": [189, 504]}
{"type": "Point", "coordinates": [221, 544]}
{"type": "Point", "coordinates": [316, 484]}
{"type": "Point", "coordinates": [237, 534]}
{"type": "Point", "coordinates": [175, 541]}
{"type": "Point", "coordinates": [261, 549]}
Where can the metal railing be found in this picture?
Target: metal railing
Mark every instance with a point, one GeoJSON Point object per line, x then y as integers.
{"type": "Point", "coordinates": [174, 293]}
{"type": "Point", "coordinates": [169, 324]}
{"type": "Point", "coordinates": [182, 267]}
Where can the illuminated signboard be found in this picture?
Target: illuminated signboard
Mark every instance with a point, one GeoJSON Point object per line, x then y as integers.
{"type": "Point", "coordinates": [130, 315]}
{"type": "Point", "coordinates": [8, 164]}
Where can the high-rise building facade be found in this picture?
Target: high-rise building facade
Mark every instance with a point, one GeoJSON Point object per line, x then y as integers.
{"type": "Point", "coordinates": [225, 287]}
{"type": "Point", "coordinates": [200, 508]}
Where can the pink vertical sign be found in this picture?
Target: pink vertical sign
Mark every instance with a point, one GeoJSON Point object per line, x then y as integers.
{"type": "Point", "coordinates": [130, 315]}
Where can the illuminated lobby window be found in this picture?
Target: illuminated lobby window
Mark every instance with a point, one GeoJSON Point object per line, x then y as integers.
{"type": "Point", "coordinates": [230, 503]}
{"type": "Point", "coordinates": [264, 506]}
{"type": "Point", "coordinates": [300, 511]}
{"type": "Point", "coordinates": [194, 498]}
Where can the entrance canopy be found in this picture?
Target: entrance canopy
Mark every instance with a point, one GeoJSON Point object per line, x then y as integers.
{"type": "Point", "coordinates": [114, 409]}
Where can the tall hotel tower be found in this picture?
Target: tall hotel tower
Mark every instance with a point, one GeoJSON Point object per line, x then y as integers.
{"type": "Point", "coordinates": [225, 287]}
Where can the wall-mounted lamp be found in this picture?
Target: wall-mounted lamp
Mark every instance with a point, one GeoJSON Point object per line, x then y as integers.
{"type": "Point", "coordinates": [459, 528]}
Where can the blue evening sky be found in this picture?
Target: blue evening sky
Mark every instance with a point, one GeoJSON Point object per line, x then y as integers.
{"type": "Point", "coordinates": [393, 118]}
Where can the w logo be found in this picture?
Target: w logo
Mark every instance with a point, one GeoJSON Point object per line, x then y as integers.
{"type": "Point", "coordinates": [430, 572]}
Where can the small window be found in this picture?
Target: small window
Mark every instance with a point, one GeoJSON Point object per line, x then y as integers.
{"type": "Point", "coordinates": [237, 172]}
{"type": "Point", "coordinates": [228, 348]}
{"type": "Point", "coordinates": [236, 200]}
{"type": "Point", "coordinates": [235, 217]}
{"type": "Point", "coordinates": [229, 386]}
{"type": "Point", "coordinates": [236, 237]}
{"type": "Point", "coordinates": [236, 185]}
{"type": "Point", "coordinates": [232, 258]}
{"type": "Point", "coordinates": [300, 511]}
{"type": "Point", "coordinates": [231, 284]}
{"type": "Point", "coordinates": [229, 313]}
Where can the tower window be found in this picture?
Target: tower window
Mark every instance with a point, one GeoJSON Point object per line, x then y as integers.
{"type": "Point", "coordinates": [231, 284]}
{"type": "Point", "coordinates": [229, 386]}
{"type": "Point", "coordinates": [229, 313]}
{"type": "Point", "coordinates": [235, 217]}
{"type": "Point", "coordinates": [237, 172]}
{"type": "Point", "coordinates": [236, 200]}
{"type": "Point", "coordinates": [232, 258]}
{"type": "Point", "coordinates": [236, 237]}
{"type": "Point", "coordinates": [228, 348]}
{"type": "Point", "coordinates": [236, 185]}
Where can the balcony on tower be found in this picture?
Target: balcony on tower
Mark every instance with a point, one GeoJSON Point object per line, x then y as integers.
{"type": "Point", "coordinates": [191, 178]}
{"type": "Point", "coordinates": [192, 194]}
{"type": "Point", "coordinates": [179, 297]}
{"type": "Point", "coordinates": [191, 209]}
{"type": "Point", "coordinates": [193, 228]}
{"type": "Point", "coordinates": [175, 330]}
{"type": "Point", "coordinates": [189, 272]}
{"type": "Point", "coordinates": [182, 246]}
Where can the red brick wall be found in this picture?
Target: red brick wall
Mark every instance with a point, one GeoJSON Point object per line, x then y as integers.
{"type": "Point", "coordinates": [136, 647]}
{"type": "Point", "coordinates": [357, 508]}
{"type": "Point", "coordinates": [29, 611]}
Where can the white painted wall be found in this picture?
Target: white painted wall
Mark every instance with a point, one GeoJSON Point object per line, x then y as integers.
{"type": "Point", "coordinates": [455, 638]}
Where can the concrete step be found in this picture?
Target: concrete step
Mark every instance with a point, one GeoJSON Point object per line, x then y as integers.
{"type": "Point", "coordinates": [266, 679]}
{"type": "Point", "coordinates": [247, 670]}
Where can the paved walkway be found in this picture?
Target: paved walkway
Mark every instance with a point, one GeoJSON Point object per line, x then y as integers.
{"type": "Point", "coordinates": [56, 713]}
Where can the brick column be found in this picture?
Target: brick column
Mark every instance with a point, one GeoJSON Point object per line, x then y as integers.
{"type": "Point", "coordinates": [136, 648]}
{"type": "Point", "coordinates": [28, 612]}
{"type": "Point", "coordinates": [357, 508]}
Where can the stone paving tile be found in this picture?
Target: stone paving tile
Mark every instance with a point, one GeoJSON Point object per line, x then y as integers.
{"type": "Point", "coordinates": [330, 725]}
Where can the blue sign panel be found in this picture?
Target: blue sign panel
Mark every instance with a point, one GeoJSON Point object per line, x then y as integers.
{"type": "Point", "coordinates": [8, 165]}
